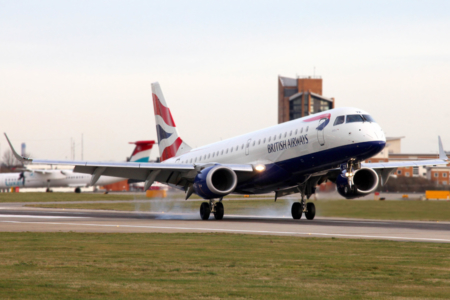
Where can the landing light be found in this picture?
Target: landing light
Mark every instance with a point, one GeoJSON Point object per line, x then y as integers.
{"type": "Point", "coordinates": [260, 168]}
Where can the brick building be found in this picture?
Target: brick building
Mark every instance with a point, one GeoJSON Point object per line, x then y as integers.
{"type": "Point", "coordinates": [299, 97]}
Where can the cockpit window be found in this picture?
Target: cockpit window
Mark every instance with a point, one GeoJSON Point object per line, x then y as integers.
{"type": "Point", "coordinates": [369, 118]}
{"type": "Point", "coordinates": [354, 118]}
{"type": "Point", "coordinates": [339, 120]}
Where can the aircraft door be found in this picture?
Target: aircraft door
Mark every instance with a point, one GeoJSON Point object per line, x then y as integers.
{"type": "Point", "coordinates": [321, 131]}
{"type": "Point", "coordinates": [247, 147]}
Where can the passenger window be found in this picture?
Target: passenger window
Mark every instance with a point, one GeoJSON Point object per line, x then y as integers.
{"type": "Point", "coordinates": [279, 136]}
{"type": "Point", "coordinates": [354, 118]}
{"type": "Point", "coordinates": [237, 148]}
{"type": "Point", "coordinates": [231, 149]}
{"type": "Point", "coordinates": [221, 153]}
{"type": "Point", "coordinates": [339, 120]}
{"type": "Point", "coordinates": [270, 138]}
{"type": "Point", "coordinates": [259, 142]}
{"type": "Point", "coordinates": [195, 159]}
{"type": "Point", "coordinates": [254, 143]}
{"type": "Point", "coordinates": [204, 157]}
{"type": "Point", "coordinates": [214, 154]}
{"type": "Point", "coordinates": [274, 138]}
{"type": "Point", "coordinates": [242, 146]}
{"type": "Point", "coordinates": [209, 155]}
{"type": "Point", "coordinates": [301, 130]}
{"type": "Point", "coordinates": [306, 128]}
{"type": "Point", "coordinates": [217, 153]}
{"type": "Point", "coordinates": [285, 134]}
{"type": "Point", "coordinates": [296, 130]}
{"type": "Point", "coordinates": [290, 134]}
{"type": "Point", "coordinates": [226, 152]}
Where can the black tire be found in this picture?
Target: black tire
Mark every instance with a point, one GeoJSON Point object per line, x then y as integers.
{"type": "Point", "coordinates": [218, 214]}
{"type": "Point", "coordinates": [310, 211]}
{"type": "Point", "coordinates": [205, 211]}
{"type": "Point", "coordinates": [296, 210]}
{"type": "Point", "coordinates": [48, 190]}
{"type": "Point", "coordinates": [77, 190]}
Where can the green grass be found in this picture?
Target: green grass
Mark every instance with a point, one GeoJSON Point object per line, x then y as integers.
{"type": "Point", "coordinates": [385, 210]}
{"type": "Point", "coordinates": [217, 266]}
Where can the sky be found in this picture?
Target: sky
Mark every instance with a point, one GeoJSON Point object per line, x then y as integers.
{"type": "Point", "coordinates": [73, 68]}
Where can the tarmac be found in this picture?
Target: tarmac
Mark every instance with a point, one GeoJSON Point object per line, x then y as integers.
{"type": "Point", "coordinates": [15, 217]}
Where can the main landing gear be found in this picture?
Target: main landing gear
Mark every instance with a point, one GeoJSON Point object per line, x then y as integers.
{"type": "Point", "coordinates": [77, 190]}
{"type": "Point", "coordinates": [212, 207]}
{"type": "Point", "coordinates": [298, 208]}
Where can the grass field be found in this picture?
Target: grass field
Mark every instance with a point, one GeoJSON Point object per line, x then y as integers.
{"type": "Point", "coordinates": [217, 266]}
{"type": "Point", "coordinates": [61, 197]}
{"type": "Point", "coordinates": [386, 210]}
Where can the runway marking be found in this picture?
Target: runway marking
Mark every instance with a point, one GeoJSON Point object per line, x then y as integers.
{"type": "Point", "coordinates": [283, 217]}
{"type": "Point", "coordinates": [41, 217]}
{"type": "Point", "coordinates": [241, 231]}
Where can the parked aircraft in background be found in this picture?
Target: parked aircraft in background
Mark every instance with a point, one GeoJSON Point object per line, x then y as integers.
{"type": "Point", "coordinates": [67, 178]}
{"type": "Point", "coordinates": [287, 158]}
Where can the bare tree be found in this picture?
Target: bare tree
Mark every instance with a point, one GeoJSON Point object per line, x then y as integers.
{"type": "Point", "coordinates": [9, 161]}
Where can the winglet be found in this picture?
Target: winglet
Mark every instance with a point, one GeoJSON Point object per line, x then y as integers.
{"type": "Point", "coordinates": [442, 154]}
{"type": "Point", "coordinates": [16, 155]}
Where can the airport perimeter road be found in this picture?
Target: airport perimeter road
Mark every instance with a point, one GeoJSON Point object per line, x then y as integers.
{"type": "Point", "coordinates": [14, 219]}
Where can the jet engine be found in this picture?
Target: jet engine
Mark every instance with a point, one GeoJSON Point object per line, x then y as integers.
{"type": "Point", "coordinates": [364, 181]}
{"type": "Point", "coordinates": [215, 182]}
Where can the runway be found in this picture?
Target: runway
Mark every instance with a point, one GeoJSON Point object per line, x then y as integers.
{"type": "Point", "coordinates": [19, 219]}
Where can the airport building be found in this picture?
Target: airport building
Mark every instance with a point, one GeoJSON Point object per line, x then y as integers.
{"type": "Point", "coordinates": [300, 97]}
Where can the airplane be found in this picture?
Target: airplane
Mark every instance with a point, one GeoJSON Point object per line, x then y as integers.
{"type": "Point", "coordinates": [288, 158]}
{"type": "Point", "coordinates": [68, 178]}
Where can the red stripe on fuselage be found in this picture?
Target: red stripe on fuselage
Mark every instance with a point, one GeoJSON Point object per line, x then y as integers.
{"type": "Point", "coordinates": [328, 116]}
{"type": "Point", "coordinates": [162, 111]}
{"type": "Point", "coordinates": [171, 151]}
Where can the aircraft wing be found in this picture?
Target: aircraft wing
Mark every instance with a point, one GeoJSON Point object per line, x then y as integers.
{"type": "Point", "coordinates": [403, 164]}
{"type": "Point", "coordinates": [175, 174]}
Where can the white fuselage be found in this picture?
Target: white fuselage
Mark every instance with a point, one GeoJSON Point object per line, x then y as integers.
{"type": "Point", "coordinates": [288, 140]}
{"type": "Point", "coordinates": [51, 178]}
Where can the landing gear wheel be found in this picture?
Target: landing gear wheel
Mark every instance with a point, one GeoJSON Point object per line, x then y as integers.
{"type": "Point", "coordinates": [310, 211]}
{"type": "Point", "coordinates": [48, 190]}
{"type": "Point", "coordinates": [77, 190]}
{"type": "Point", "coordinates": [219, 211]}
{"type": "Point", "coordinates": [205, 211]}
{"type": "Point", "coordinates": [296, 210]}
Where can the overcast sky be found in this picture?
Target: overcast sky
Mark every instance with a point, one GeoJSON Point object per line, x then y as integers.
{"type": "Point", "coordinates": [73, 67]}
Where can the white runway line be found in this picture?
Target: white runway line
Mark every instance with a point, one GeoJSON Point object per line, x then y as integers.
{"type": "Point", "coordinates": [40, 217]}
{"type": "Point", "coordinates": [244, 231]}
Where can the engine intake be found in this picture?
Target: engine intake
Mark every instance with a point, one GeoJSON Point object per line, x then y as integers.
{"type": "Point", "coordinates": [364, 182]}
{"type": "Point", "coordinates": [214, 182]}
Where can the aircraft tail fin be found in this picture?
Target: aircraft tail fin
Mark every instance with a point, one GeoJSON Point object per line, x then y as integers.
{"type": "Point", "coordinates": [169, 142]}
{"type": "Point", "coordinates": [442, 154]}
{"type": "Point", "coordinates": [141, 152]}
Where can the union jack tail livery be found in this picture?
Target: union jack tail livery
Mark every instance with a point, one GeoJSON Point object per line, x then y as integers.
{"type": "Point", "coordinates": [141, 152]}
{"type": "Point", "coordinates": [170, 143]}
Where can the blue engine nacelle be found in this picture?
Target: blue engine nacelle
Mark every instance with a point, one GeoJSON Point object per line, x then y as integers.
{"type": "Point", "coordinates": [364, 182]}
{"type": "Point", "coordinates": [215, 182]}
